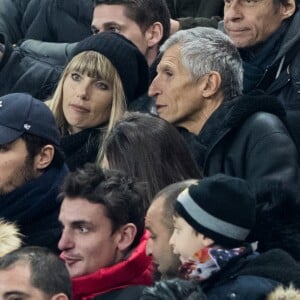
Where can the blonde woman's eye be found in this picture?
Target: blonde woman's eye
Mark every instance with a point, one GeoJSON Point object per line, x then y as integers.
{"type": "Point", "coordinates": [101, 85]}
{"type": "Point", "coordinates": [75, 76]}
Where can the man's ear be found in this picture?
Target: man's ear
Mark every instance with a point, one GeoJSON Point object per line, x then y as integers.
{"type": "Point", "coordinates": [127, 235]}
{"type": "Point", "coordinates": [60, 296]}
{"type": "Point", "coordinates": [212, 84]}
{"type": "Point", "coordinates": [288, 9]}
{"type": "Point", "coordinates": [154, 34]}
{"type": "Point", "coordinates": [44, 158]}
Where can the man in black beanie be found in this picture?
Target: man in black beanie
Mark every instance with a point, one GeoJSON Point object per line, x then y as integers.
{"type": "Point", "coordinates": [129, 62]}
{"type": "Point", "coordinates": [211, 223]}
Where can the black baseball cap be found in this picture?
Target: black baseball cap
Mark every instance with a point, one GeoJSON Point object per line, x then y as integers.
{"type": "Point", "coordinates": [20, 113]}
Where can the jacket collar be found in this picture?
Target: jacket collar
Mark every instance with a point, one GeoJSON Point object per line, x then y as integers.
{"type": "Point", "coordinates": [135, 270]}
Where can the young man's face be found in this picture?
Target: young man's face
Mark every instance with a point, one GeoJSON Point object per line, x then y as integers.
{"type": "Point", "coordinates": [87, 242]}
{"type": "Point", "coordinates": [15, 284]}
{"type": "Point", "coordinates": [113, 18]}
{"type": "Point", "coordinates": [250, 22]}
{"type": "Point", "coordinates": [158, 244]}
{"type": "Point", "coordinates": [16, 168]}
{"type": "Point", "coordinates": [185, 240]}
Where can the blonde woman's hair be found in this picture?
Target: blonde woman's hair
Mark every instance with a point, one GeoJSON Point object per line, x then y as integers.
{"type": "Point", "coordinates": [95, 65]}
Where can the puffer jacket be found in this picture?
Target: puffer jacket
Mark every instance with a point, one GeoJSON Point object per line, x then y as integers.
{"type": "Point", "coordinates": [246, 138]}
{"type": "Point", "coordinates": [61, 21]}
{"type": "Point", "coordinates": [11, 14]}
{"type": "Point", "coordinates": [20, 71]}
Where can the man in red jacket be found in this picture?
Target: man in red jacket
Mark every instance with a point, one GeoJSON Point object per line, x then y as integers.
{"type": "Point", "coordinates": [103, 240]}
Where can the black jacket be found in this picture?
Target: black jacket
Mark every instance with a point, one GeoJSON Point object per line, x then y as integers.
{"type": "Point", "coordinates": [132, 292]}
{"type": "Point", "coordinates": [20, 71]}
{"type": "Point", "coordinates": [193, 13]}
{"type": "Point", "coordinates": [252, 277]}
{"type": "Point", "coordinates": [60, 21]}
{"type": "Point", "coordinates": [246, 138]}
{"type": "Point", "coordinates": [287, 85]}
{"type": "Point", "coordinates": [11, 15]}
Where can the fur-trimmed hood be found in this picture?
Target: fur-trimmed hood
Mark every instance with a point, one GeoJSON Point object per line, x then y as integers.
{"type": "Point", "coordinates": [10, 237]}
{"type": "Point", "coordinates": [282, 293]}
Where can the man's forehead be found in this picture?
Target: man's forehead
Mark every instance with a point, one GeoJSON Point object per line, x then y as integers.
{"type": "Point", "coordinates": [171, 56]}
{"type": "Point", "coordinates": [115, 13]}
{"type": "Point", "coordinates": [69, 208]}
{"type": "Point", "coordinates": [155, 210]}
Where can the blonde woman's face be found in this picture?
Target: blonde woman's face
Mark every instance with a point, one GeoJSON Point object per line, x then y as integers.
{"type": "Point", "coordinates": [87, 101]}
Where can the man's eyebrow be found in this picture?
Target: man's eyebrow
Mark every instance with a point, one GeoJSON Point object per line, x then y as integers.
{"type": "Point", "coordinates": [78, 223]}
{"type": "Point", "coordinates": [15, 293]}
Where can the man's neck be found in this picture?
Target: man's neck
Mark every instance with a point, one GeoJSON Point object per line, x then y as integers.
{"type": "Point", "coordinates": [151, 55]}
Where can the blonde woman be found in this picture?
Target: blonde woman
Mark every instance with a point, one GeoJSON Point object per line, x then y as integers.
{"type": "Point", "coordinates": [105, 74]}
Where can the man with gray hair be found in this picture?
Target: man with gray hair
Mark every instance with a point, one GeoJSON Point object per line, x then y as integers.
{"type": "Point", "coordinates": [198, 88]}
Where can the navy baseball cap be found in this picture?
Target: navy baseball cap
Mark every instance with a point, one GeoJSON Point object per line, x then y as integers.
{"type": "Point", "coordinates": [20, 113]}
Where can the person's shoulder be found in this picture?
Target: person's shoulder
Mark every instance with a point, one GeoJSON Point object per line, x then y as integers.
{"type": "Point", "coordinates": [246, 287]}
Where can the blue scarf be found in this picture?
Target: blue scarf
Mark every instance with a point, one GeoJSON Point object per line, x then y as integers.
{"type": "Point", "coordinates": [34, 207]}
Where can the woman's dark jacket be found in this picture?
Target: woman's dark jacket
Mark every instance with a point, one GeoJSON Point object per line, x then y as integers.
{"type": "Point", "coordinates": [246, 138]}
{"type": "Point", "coordinates": [252, 277]}
{"type": "Point", "coordinates": [35, 208]}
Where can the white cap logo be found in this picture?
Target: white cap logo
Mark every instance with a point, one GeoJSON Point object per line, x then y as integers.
{"type": "Point", "coordinates": [1, 103]}
{"type": "Point", "coordinates": [27, 126]}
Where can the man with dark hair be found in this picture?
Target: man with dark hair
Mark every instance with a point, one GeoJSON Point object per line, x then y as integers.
{"type": "Point", "coordinates": [159, 221]}
{"type": "Point", "coordinates": [32, 168]}
{"type": "Point", "coordinates": [103, 240]}
{"type": "Point", "coordinates": [146, 23]}
{"type": "Point", "coordinates": [34, 273]}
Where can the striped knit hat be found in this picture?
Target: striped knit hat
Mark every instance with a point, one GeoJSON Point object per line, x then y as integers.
{"type": "Point", "coordinates": [220, 207]}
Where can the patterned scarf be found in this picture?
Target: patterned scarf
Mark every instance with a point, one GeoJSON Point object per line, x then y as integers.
{"type": "Point", "coordinates": [208, 261]}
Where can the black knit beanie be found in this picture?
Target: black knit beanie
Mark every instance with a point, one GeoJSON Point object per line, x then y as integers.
{"type": "Point", "coordinates": [129, 62]}
{"type": "Point", "coordinates": [220, 207]}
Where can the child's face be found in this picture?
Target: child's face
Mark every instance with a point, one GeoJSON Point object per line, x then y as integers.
{"type": "Point", "coordinates": [185, 240]}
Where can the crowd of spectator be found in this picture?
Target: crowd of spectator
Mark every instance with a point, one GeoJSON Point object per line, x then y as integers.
{"type": "Point", "coordinates": [149, 149]}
